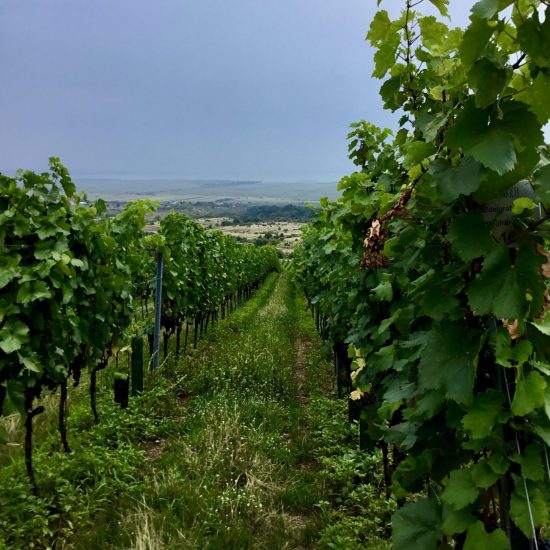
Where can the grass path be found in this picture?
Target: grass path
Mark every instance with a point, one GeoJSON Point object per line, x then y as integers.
{"type": "Point", "coordinates": [231, 473]}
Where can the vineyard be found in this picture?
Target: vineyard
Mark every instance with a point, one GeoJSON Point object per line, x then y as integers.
{"type": "Point", "coordinates": [387, 388]}
{"type": "Point", "coordinates": [76, 288]}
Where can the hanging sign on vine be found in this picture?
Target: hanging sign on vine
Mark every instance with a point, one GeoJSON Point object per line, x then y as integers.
{"type": "Point", "coordinates": [501, 211]}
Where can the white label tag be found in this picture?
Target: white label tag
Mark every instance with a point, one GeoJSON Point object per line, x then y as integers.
{"type": "Point", "coordinates": [501, 208]}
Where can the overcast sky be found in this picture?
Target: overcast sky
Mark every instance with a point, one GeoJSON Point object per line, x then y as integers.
{"type": "Point", "coordinates": [250, 89]}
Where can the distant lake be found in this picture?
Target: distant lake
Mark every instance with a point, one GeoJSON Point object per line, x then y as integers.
{"type": "Point", "coordinates": [176, 189]}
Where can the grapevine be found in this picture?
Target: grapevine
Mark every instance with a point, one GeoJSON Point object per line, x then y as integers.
{"type": "Point", "coordinates": [448, 318]}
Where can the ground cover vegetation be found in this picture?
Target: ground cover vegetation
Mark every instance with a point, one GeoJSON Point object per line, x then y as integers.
{"type": "Point", "coordinates": [440, 286]}
{"type": "Point", "coordinates": [238, 443]}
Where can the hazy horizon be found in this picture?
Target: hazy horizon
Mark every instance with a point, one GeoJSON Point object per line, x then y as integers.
{"type": "Point", "coordinates": [163, 176]}
{"type": "Point", "coordinates": [178, 189]}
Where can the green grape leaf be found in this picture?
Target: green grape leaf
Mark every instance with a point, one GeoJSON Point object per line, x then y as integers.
{"type": "Point", "coordinates": [508, 355]}
{"type": "Point", "coordinates": [438, 303]}
{"type": "Point", "coordinates": [522, 204]}
{"type": "Point", "coordinates": [469, 236]}
{"type": "Point", "coordinates": [78, 263]}
{"type": "Point", "coordinates": [536, 96]}
{"type": "Point", "coordinates": [30, 365]}
{"type": "Point", "coordinates": [62, 174]}
{"type": "Point", "coordinates": [442, 6]}
{"type": "Point", "coordinates": [519, 509]}
{"type": "Point", "coordinates": [543, 433]}
{"type": "Point", "coordinates": [460, 489]}
{"type": "Point", "coordinates": [380, 28]}
{"type": "Point", "coordinates": [426, 406]}
{"type": "Point", "coordinates": [24, 294]}
{"type": "Point", "coordinates": [542, 367]}
{"type": "Point", "coordinates": [534, 40]}
{"type": "Point", "coordinates": [477, 538]}
{"type": "Point", "coordinates": [384, 58]}
{"type": "Point", "coordinates": [39, 291]}
{"type": "Point", "coordinates": [497, 290]}
{"type": "Point", "coordinates": [383, 359]}
{"type": "Point", "coordinates": [485, 8]}
{"type": "Point", "coordinates": [541, 183]}
{"type": "Point", "coordinates": [7, 214]}
{"type": "Point", "coordinates": [528, 265]}
{"type": "Point", "coordinates": [416, 526]}
{"type": "Point", "coordinates": [399, 389]}
{"type": "Point", "coordinates": [529, 394]}
{"type": "Point", "coordinates": [404, 434]}
{"type": "Point", "coordinates": [383, 292]}
{"type": "Point", "coordinates": [518, 120]}
{"type": "Point", "coordinates": [430, 124]}
{"type": "Point", "coordinates": [483, 414]}
{"type": "Point", "coordinates": [470, 124]}
{"type": "Point", "coordinates": [46, 231]}
{"type": "Point", "coordinates": [502, 288]}
{"type": "Point", "coordinates": [435, 36]}
{"type": "Point", "coordinates": [483, 475]}
{"type": "Point", "coordinates": [13, 335]}
{"type": "Point", "coordinates": [491, 145]}
{"type": "Point", "coordinates": [475, 40]}
{"type": "Point", "coordinates": [462, 179]}
{"type": "Point", "coordinates": [447, 361]}
{"type": "Point", "coordinates": [532, 465]}
{"type": "Point", "coordinates": [9, 270]}
{"type": "Point", "coordinates": [488, 79]}
{"type": "Point", "coordinates": [495, 150]}
{"type": "Point", "coordinates": [456, 521]}
{"type": "Point", "coordinates": [417, 151]}
{"type": "Point", "coordinates": [499, 463]}
{"type": "Point", "coordinates": [392, 94]}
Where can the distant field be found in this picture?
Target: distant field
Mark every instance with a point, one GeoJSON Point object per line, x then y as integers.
{"type": "Point", "coordinates": [255, 211]}
{"type": "Point", "coordinates": [285, 235]}
{"type": "Point", "coordinates": [112, 189]}
{"type": "Point", "coordinates": [288, 233]}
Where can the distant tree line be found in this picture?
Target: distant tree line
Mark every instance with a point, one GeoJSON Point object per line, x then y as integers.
{"type": "Point", "coordinates": [238, 213]}
{"type": "Point", "coordinates": [273, 212]}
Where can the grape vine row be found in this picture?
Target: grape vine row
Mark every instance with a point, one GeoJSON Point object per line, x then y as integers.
{"type": "Point", "coordinates": [433, 267]}
{"type": "Point", "coordinates": [72, 280]}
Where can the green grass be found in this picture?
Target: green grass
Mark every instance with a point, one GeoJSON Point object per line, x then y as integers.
{"type": "Point", "coordinates": [239, 444]}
